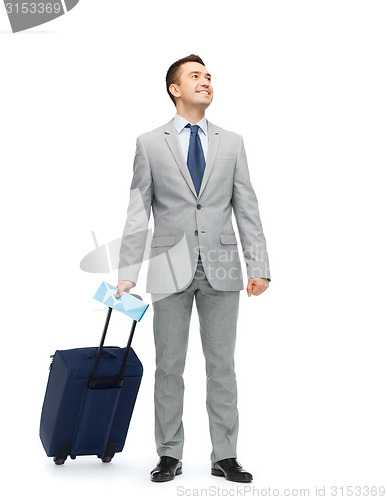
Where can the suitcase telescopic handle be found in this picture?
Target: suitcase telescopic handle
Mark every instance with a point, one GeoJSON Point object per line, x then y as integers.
{"type": "Point", "coordinates": [93, 382]}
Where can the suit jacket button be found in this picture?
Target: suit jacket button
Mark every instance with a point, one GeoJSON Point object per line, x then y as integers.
{"type": "Point", "coordinates": [196, 232]}
{"type": "Point", "coordinates": [198, 207]}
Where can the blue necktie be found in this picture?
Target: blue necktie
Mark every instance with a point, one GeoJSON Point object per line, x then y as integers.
{"type": "Point", "coordinates": [195, 160]}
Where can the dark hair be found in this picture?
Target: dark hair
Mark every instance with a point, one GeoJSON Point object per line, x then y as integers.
{"type": "Point", "coordinates": [173, 72]}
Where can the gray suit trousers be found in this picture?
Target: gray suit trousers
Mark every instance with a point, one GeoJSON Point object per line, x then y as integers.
{"type": "Point", "coordinates": [218, 314]}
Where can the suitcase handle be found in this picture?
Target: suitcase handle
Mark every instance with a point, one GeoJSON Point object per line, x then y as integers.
{"type": "Point", "coordinates": [93, 382]}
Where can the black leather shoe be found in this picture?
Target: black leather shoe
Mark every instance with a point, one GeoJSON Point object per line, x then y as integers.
{"type": "Point", "coordinates": [166, 469]}
{"type": "Point", "coordinates": [231, 470]}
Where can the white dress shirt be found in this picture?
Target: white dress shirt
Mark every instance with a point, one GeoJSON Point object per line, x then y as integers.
{"type": "Point", "coordinates": [184, 134]}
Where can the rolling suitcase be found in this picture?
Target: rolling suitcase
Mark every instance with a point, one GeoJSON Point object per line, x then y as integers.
{"type": "Point", "coordinates": [89, 400]}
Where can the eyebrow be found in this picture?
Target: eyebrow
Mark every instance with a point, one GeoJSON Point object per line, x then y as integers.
{"type": "Point", "coordinates": [198, 73]}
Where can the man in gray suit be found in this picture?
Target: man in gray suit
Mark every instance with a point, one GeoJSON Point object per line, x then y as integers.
{"type": "Point", "coordinates": [193, 174]}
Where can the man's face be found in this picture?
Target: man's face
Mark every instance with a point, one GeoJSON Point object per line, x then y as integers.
{"type": "Point", "coordinates": [194, 86]}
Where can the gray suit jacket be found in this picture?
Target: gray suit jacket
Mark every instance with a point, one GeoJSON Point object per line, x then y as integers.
{"type": "Point", "coordinates": [186, 224]}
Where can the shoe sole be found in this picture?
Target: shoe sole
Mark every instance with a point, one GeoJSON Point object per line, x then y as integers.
{"type": "Point", "coordinates": [219, 473]}
{"type": "Point", "coordinates": [178, 472]}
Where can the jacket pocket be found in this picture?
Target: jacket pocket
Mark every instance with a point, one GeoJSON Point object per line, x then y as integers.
{"type": "Point", "coordinates": [163, 241]}
{"type": "Point", "coordinates": [225, 158]}
{"type": "Point", "coordinates": [228, 239]}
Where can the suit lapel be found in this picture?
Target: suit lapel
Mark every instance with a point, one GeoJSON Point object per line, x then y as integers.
{"type": "Point", "coordinates": [213, 145]}
{"type": "Point", "coordinates": [174, 145]}
{"type": "Point", "coordinates": [172, 140]}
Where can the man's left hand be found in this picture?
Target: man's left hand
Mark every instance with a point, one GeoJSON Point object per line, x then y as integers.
{"type": "Point", "coordinates": [256, 286]}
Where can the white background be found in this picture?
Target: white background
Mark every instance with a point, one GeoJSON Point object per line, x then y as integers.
{"type": "Point", "coordinates": [305, 83]}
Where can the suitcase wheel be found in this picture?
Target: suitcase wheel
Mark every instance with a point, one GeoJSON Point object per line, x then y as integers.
{"type": "Point", "coordinates": [110, 450]}
{"type": "Point", "coordinates": [61, 454]}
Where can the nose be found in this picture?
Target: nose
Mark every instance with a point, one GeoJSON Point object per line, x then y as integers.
{"type": "Point", "coordinates": [204, 82]}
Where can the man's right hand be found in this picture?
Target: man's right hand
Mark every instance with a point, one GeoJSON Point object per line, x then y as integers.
{"type": "Point", "coordinates": [123, 286]}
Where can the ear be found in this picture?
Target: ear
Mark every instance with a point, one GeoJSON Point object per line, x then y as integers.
{"type": "Point", "coordinates": [174, 90]}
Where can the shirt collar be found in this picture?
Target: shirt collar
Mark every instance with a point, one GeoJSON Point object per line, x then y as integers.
{"type": "Point", "coordinates": [180, 123]}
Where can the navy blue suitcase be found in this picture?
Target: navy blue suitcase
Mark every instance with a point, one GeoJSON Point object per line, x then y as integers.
{"type": "Point", "coordinates": [89, 400]}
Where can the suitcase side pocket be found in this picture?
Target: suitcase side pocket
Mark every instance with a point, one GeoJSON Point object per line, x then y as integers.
{"type": "Point", "coordinates": [95, 421]}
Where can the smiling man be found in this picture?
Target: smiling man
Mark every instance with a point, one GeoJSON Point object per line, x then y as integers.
{"type": "Point", "coordinates": [193, 175]}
